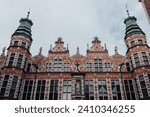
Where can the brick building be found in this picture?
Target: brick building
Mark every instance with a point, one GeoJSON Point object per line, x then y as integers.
{"type": "Point", "coordinates": [60, 76]}
{"type": "Point", "coordinates": [146, 6]}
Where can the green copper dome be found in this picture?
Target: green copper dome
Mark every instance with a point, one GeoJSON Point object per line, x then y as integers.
{"type": "Point", "coordinates": [24, 28]}
{"type": "Point", "coordinates": [132, 27]}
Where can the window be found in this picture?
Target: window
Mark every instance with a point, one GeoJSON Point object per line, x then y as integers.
{"type": "Point", "coordinates": [67, 89]}
{"type": "Point", "coordinates": [49, 67]}
{"type": "Point", "coordinates": [28, 67]}
{"type": "Point", "coordinates": [128, 67]}
{"type": "Point", "coordinates": [140, 42]}
{"type": "Point", "coordinates": [145, 58]}
{"type": "Point", "coordinates": [66, 67]}
{"type": "Point", "coordinates": [143, 86]}
{"type": "Point", "coordinates": [16, 43]}
{"type": "Point", "coordinates": [129, 90]}
{"type": "Point", "coordinates": [132, 43]}
{"type": "Point", "coordinates": [116, 93]}
{"type": "Point", "coordinates": [102, 89]}
{"type": "Point", "coordinates": [98, 65]}
{"type": "Point", "coordinates": [53, 90]}
{"type": "Point", "coordinates": [40, 90]}
{"type": "Point", "coordinates": [136, 59]}
{"type": "Point", "coordinates": [5, 82]}
{"type": "Point", "coordinates": [13, 87]}
{"type": "Point", "coordinates": [107, 67]}
{"type": "Point", "coordinates": [19, 61]}
{"type": "Point", "coordinates": [27, 93]}
{"type": "Point", "coordinates": [23, 44]}
{"type": "Point", "coordinates": [58, 65]}
{"type": "Point", "coordinates": [89, 67]}
{"type": "Point", "coordinates": [12, 57]}
{"type": "Point", "coordinates": [89, 90]}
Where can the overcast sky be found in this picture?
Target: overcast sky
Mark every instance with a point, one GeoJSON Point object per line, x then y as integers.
{"type": "Point", "coordinates": [76, 21]}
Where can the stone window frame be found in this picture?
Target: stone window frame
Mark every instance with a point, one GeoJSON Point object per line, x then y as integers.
{"type": "Point", "coordinates": [137, 60]}
{"type": "Point", "coordinates": [117, 91]}
{"type": "Point", "coordinates": [28, 90]}
{"type": "Point", "coordinates": [53, 90]}
{"type": "Point", "coordinates": [66, 66]}
{"type": "Point", "coordinates": [98, 65]}
{"type": "Point", "coordinates": [145, 58]}
{"type": "Point", "coordinates": [128, 85]}
{"type": "Point", "coordinates": [102, 84]}
{"type": "Point", "coordinates": [89, 85]}
{"type": "Point", "coordinates": [49, 66]}
{"type": "Point", "coordinates": [67, 89]}
{"type": "Point", "coordinates": [141, 80]}
{"type": "Point", "coordinates": [107, 67]}
{"type": "Point", "coordinates": [89, 66]}
{"type": "Point", "coordinates": [57, 66]}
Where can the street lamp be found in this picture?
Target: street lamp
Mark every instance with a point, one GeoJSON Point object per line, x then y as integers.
{"type": "Point", "coordinates": [35, 78]}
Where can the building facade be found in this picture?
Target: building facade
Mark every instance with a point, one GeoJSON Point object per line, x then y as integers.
{"type": "Point", "coordinates": [146, 6]}
{"type": "Point", "coordinates": [60, 76]}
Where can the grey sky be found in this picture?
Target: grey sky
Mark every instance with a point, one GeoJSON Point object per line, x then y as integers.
{"type": "Point", "coordinates": [76, 21]}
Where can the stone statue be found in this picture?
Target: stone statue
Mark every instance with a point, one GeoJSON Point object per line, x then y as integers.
{"type": "Point", "coordinates": [77, 87]}
{"type": "Point", "coordinates": [77, 66]}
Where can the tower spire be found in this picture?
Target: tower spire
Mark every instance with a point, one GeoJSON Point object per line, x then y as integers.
{"type": "Point", "coordinates": [127, 10]}
{"type": "Point", "coordinates": [78, 50]}
{"type": "Point", "coordinates": [28, 13]}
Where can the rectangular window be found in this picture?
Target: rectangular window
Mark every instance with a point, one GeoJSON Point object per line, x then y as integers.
{"type": "Point", "coordinates": [102, 89]}
{"type": "Point", "coordinates": [4, 85]}
{"type": "Point", "coordinates": [40, 90]}
{"type": "Point", "coordinates": [145, 58]}
{"type": "Point", "coordinates": [49, 67]}
{"type": "Point", "coordinates": [116, 93]}
{"type": "Point", "coordinates": [58, 65]}
{"type": "Point", "coordinates": [13, 87]}
{"type": "Point", "coordinates": [143, 86]}
{"type": "Point", "coordinates": [28, 67]}
{"type": "Point", "coordinates": [27, 93]}
{"type": "Point", "coordinates": [89, 90]}
{"type": "Point", "coordinates": [89, 67]}
{"type": "Point", "coordinates": [129, 90]}
{"type": "Point", "coordinates": [67, 89]}
{"type": "Point", "coordinates": [107, 67]}
{"type": "Point", "coordinates": [23, 45]}
{"type": "Point", "coordinates": [140, 42]}
{"type": "Point", "coordinates": [19, 61]}
{"type": "Point", "coordinates": [16, 43]}
{"type": "Point", "coordinates": [11, 60]}
{"type": "Point", "coordinates": [137, 60]}
{"type": "Point", "coordinates": [53, 93]}
{"type": "Point", "coordinates": [98, 65]}
{"type": "Point", "coordinates": [66, 67]}
{"type": "Point", "coordinates": [132, 43]}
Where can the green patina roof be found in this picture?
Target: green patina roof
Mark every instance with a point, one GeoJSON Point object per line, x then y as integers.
{"type": "Point", "coordinates": [132, 27]}
{"type": "Point", "coordinates": [24, 28]}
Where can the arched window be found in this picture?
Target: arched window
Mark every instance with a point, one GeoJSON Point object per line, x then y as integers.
{"type": "Point", "coordinates": [98, 65]}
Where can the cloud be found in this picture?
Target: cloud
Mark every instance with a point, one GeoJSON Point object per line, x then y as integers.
{"type": "Point", "coordinates": [76, 21]}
